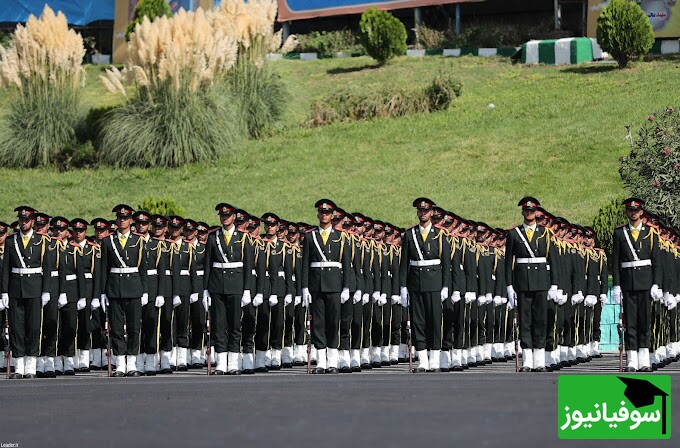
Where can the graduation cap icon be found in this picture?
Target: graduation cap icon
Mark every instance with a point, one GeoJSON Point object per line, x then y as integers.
{"type": "Point", "coordinates": [642, 393]}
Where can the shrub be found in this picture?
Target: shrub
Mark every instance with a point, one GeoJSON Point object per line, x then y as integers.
{"type": "Point", "coordinates": [651, 170]}
{"type": "Point", "coordinates": [382, 35]}
{"type": "Point", "coordinates": [610, 216]}
{"type": "Point", "coordinates": [431, 38]}
{"type": "Point", "coordinates": [5, 39]}
{"type": "Point", "coordinates": [624, 31]}
{"type": "Point", "coordinates": [76, 155]}
{"type": "Point", "coordinates": [161, 206]}
{"type": "Point", "coordinates": [90, 128]}
{"type": "Point", "coordinates": [147, 8]}
{"type": "Point", "coordinates": [326, 44]}
{"type": "Point", "coordinates": [443, 89]}
{"type": "Point", "coordinates": [43, 68]}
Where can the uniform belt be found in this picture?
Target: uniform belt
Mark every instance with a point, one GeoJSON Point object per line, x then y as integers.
{"type": "Point", "coordinates": [168, 272]}
{"type": "Point", "coordinates": [200, 273]}
{"type": "Point", "coordinates": [234, 265]}
{"type": "Point", "coordinates": [88, 275]}
{"type": "Point", "coordinates": [531, 260]}
{"type": "Point", "coordinates": [281, 274]}
{"type": "Point", "coordinates": [54, 274]}
{"type": "Point", "coordinates": [636, 264]}
{"type": "Point", "coordinates": [152, 272]}
{"type": "Point", "coordinates": [71, 277]}
{"type": "Point", "coordinates": [421, 263]}
{"type": "Point", "coordinates": [26, 271]}
{"type": "Point", "coordinates": [325, 264]}
{"type": "Point", "coordinates": [184, 272]}
{"type": "Point", "coordinates": [124, 270]}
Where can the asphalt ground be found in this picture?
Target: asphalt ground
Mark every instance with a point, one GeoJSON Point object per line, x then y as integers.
{"type": "Point", "coordinates": [487, 406]}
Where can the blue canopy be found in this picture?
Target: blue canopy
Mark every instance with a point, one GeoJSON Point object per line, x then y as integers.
{"type": "Point", "coordinates": [78, 12]}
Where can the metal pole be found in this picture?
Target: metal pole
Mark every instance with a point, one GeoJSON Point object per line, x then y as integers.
{"type": "Point", "coordinates": [557, 14]}
{"type": "Point", "coordinates": [457, 29]}
{"type": "Point", "coordinates": [286, 31]}
{"type": "Point", "coordinates": [418, 19]}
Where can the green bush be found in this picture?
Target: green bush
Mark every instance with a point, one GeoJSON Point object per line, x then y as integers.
{"type": "Point", "coordinates": [624, 31]}
{"type": "Point", "coordinates": [91, 126]}
{"type": "Point", "coordinates": [489, 33]}
{"type": "Point", "coordinates": [147, 8]}
{"type": "Point", "coordinates": [651, 170]}
{"type": "Point", "coordinates": [610, 216]}
{"type": "Point", "coordinates": [76, 155]}
{"type": "Point", "coordinates": [326, 44]}
{"type": "Point", "coordinates": [443, 89]}
{"type": "Point", "coordinates": [382, 35]}
{"type": "Point", "coordinates": [5, 39]}
{"type": "Point", "coordinates": [160, 206]}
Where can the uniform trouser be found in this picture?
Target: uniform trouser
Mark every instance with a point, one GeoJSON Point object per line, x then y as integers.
{"type": "Point", "coordinates": [50, 318]}
{"type": "Point", "coordinates": [300, 325]}
{"type": "Point", "coordinates": [510, 324]}
{"type": "Point", "coordinates": [579, 319]}
{"type": "Point", "coordinates": [533, 309]}
{"type": "Point", "coordinates": [249, 327]}
{"type": "Point", "coordinates": [97, 326]}
{"type": "Point", "coordinates": [150, 326]}
{"type": "Point", "coordinates": [126, 317]}
{"type": "Point", "coordinates": [597, 316]}
{"type": "Point", "coordinates": [198, 325]}
{"type": "Point", "coordinates": [83, 339]}
{"type": "Point", "coordinates": [473, 335]}
{"type": "Point", "coordinates": [551, 326]}
{"type": "Point", "coordinates": [262, 326]}
{"type": "Point", "coordinates": [448, 324]}
{"type": "Point", "coordinates": [366, 322]}
{"type": "Point", "coordinates": [564, 324]}
{"type": "Point", "coordinates": [657, 327]}
{"type": "Point", "coordinates": [276, 324]}
{"type": "Point", "coordinates": [459, 324]}
{"type": "Point", "coordinates": [377, 325]}
{"type": "Point", "coordinates": [346, 317]}
{"type": "Point", "coordinates": [24, 326]}
{"type": "Point", "coordinates": [499, 320]}
{"type": "Point", "coordinates": [405, 316]}
{"type": "Point", "coordinates": [426, 317]}
{"type": "Point", "coordinates": [288, 324]}
{"type": "Point", "coordinates": [181, 323]}
{"type": "Point", "coordinates": [357, 326]}
{"type": "Point", "coordinates": [325, 319]}
{"type": "Point", "coordinates": [673, 331]}
{"type": "Point", "coordinates": [3, 343]}
{"type": "Point", "coordinates": [166, 338]}
{"type": "Point", "coordinates": [225, 314]}
{"type": "Point", "coordinates": [485, 324]}
{"type": "Point", "coordinates": [387, 323]}
{"type": "Point", "coordinates": [68, 327]}
{"type": "Point", "coordinates": [395, 324]}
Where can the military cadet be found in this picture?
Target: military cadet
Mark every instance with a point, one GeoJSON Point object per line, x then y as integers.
{"type": "Point", "coordinates": [48, 362]}
{"type": "Point", "coordinates": [325, 285]}
{"type": "Point", "coordinates": [71, 293]}
{"type": "Point", "coordinates": [528, 255]}
{"type": "Point", "coordinates": [98, 346]}
{"type": "Point", "coordinates": [25, 290]}
{"type": "Point", "coordinates": [486, 285]}
{"type": "Point", "coordinates": [288, 354]}
{"type": "Point", "coordinates": [196, 311]}
{"type": "Point", "coordinates": [596, 283]}
{"type": "Point", "coordinates": [469, 353]}
{"type": "Point", "coordinates": [381, 284]}
{"type": "Point", "coordinates": [369, 292]}
{"type": "Point", "coordinates": [3, 315]}
{"type": "Point", "coordinates": [227, 285]}
{"type": "Point", "coordinates": [424, 277]}
{"type": "Point", "coordinates": [454, 316]}
{"type": "Point", "coordinates": [300, 319]}
{"type": "Point", "coordinates": [361, 261]}
{"type": "Point", "coordinates": [391, 326]}
{"type": "Point", "coordinates": [124, 290]}
{"type": "Point", "coordinates": [349, 310]}
{"type": "Point", "coordinates": [502, 351]}
{"type": "Point", "coordinates": [42, 223]}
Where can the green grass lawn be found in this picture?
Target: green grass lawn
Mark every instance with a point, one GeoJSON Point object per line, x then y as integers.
{"type": "Point", "coordinates": [556, 133]}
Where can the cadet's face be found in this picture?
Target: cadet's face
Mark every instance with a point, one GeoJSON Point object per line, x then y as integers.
{"type": "Point", "coordinates": [62, 234]}
{"type": "Point", "coordinates": [271, 229]}
{"type": "Point", "coordinates": [227, 220]}
{"type": "Point", "coordinates": [190, 234]}
{"type": "Point", "coordinates": [529, 215]}
{"type": "Point", "coordinates": [174, 232]}
{"type": "Point", "coordinates": [123, 223]}
{"type": "Point", "coordinates": [41, 228]}
{"type": "Point", "coordinates": [3, 237]}
{"type": "Point", "coordinates": [634, 215]}
{"type": "Point", "coordinates": [79, 235]}
{"type": "Point", "coordinates": [424, 215]}
{"type": "Point", "coordinates": [142, 227]}
{"type": "Point", "coordinates": [379, 234]}
{"type": "Point", "coordinates": [324, 216]}
{"type": "Point", "coordinates": [203, 237]}
{"type": "Point", "coordinates": [242, 226]}
{"type": "Point", "coordinates": [100, 234]}
{"type": "Point", "coordinates": [158, 231]}
{"type": "Point", "coordinates": [25, 224]}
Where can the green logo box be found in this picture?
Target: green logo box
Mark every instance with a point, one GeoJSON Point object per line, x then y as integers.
{"type": "Point", "coordinates": [614, 407]}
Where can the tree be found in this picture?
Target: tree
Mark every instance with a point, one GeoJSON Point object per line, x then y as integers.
{"type": "Point", "coordinates": [150, 9]}
{"type": "Point", "coordinates": [624, 31]}
{"type": "Point", "coordinates": [382, 35]}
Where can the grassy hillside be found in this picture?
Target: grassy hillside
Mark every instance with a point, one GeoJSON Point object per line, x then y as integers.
{"type": "Point", "coordinates": [556, 133]}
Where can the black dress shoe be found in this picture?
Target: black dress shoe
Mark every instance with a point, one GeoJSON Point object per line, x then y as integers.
{"type": "Point", "coordinates": [332, 370]}
{"type": "Point", "coordinates": [275, 367]}
{"type": "Point", "coordinates": [132, 373]}
{"type": "Point", "coordinates": [287, 365]}
{"type": "Point", "coordinates": [548, 368]}
{"type": "Point", "coordinates": [29, 376]}
{"type": "Point", "coordinates": [495, 359]}
{"type": "Point", "coordinates": [655, 366]}
{"type": "Point", "coordinates": [465, 367]}
{"type": "Point", "coordinates": [402, 360]}
{"type": "Point", "coordinates": [385, 363]}
{"type": "Point", "coordinates": [150, 373]}
{"type": "Point", "coordinates": [16, 376]}
{"type": "Point", "coordinates": [393, 362]}
{"type": "Point", "coordinates": [472, 364]}
{"type": "Point", "coordinates": [366, 366]}
{"type": "Point", "coordinates": [59, 372]}
{"type": "Point", "coordinates": [345, 369]}
{"type": "Point", "coordinates": [456, 369]}
{"type": "Point", "coordinates": [645, 369]}
{"type": "Point", "coordinates": [565, 363]}
{"type": "Point", "coordinates": [85, 369]}
{"type": "Point", "coordinates": [313, 362]}
{"type": "Point", "coordinates": [419, 370]}
{"type": "Point", "coordinates": [525, 369]}
{"type": "Point", "coordinates": [217, 372]}
{"type": "Point", "coordinates": [318, 371]}
{"type": "Point", "coordinates": [598, 355]}
{"type": "Point", "coordinates": [356, 369]}
{"type": "Point", "coordinates": [166, 371]}
{"type": "Point", "coordinates": [555, 367]}
{"type": "Point", "coordinates": [629, 369]}
{"type": "Point", "coordinates": [298, 363]}
{"type": "Point", "coordinates": [94, 368]}
{"type": "Point", "coordinates": [117, 374]}
{"type": "Point", "coordinates": [539, 369]}
{"type": "Point", "coordinates": [248, 372]}
{"type": "Point", "coordinates": [437, 370]}
{"type": "Point", "coordinates": [234, 372]}
{"type": "Point", "coordinates": [444, 369]}
{"type": "Point", "coordinates": [572, 362]}
{"type": "Point", "coordinates": [376, 365]}
{"type": "Point", "coordinates": [69, 373]}
{"type": "Point", "coordinates": [509, 358]}
{"type": "Point", "coordinates": [39, 374]}
{"type": "Point", "coordinates": [262, 370]}
{"type": "Point", "coordinates": [50, 374]}
{"type": "Point", "coordinates": [182, 368]}
{"type": "Point", "coordinates": [197, 365]}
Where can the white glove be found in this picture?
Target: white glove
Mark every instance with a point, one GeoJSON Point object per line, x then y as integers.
{"type": "Point", "coordinates": [558, 297]}
{"type": "Point", "coordinates": [4, 301]}
{"type": "Point", "coordinates": [512, 295]}
{"type": "Point", "coordinates": [306, 297]}
{"type": "Point", "coordinates": [444, 293]}
{"type": "Point", "coordinates": [44, 298]}
{"type": "Point", "coordinates": [298, 300]}
{"type": "Point", "coordinates": [455, 297]}
{"type": "Point", "coordinates": [357, 297]}
{"type": "Point", "coordinates": [383, 299]}
{"type": "Point", "coordinates": [577, 298]}
{"type": "Point", "coordinates": [552, 293]}
{"type": "Point", "coordinates": [104, 301]}
{"type": "Point", "coordinates": [395, 299]}
{"type": "Point", "coordinates": [656, 293]}
{"type": "Point", "coordinates": [288, 299]}
{"type": "Point", "coordinates": [511, 303]}
{"type": "Point", "coordinates": [94, 304]}
{"type": "Point", "coordinates": [273, 300]}
{"type": "Point", "coordinates": [470, 297]}
{"type": "Point", "coordinates": [176, 301]}
{"type": "Point", "coordinates": [206, 294]}
{"type": "Point", "coordinates": [82, 303]}
{"type": "Point", "coordinates": [481, 299]}
{"type": "Point", "coordinates": [145, 299]}
{"type": "Point", "coordinates": [489, 298]}
{"type": "Point", "coordinates": [603, 299]}
{"type": "Point", "coordinates": [160, 301]}
{"type": "Point", "coordinates": [403, 296]}
{"type": "Point", "coordinates": [257, 300]}
{"type": "Point", "coordinates": [61, 301]}
{"type": "Point", "coordinates": [591, 300]}
{"type": "Point", "coordinates": [193, 298]}
{"type": "Point", "coordinates": [497, 301]}
{"type": "Point", "coordinates": [617, 295]}
{"type": "Point", "coordinates": [245, 299]}
{"type": "Point", "coordinates": [364, 298]}
{"type": "Point", "coordinates": [207, 301]}
{"type": "Point", "coordinates": [375, 296]}
{"type": "Point", "coordinates": [344, 295]}
{"type": "Point", "coordinates": [504, 300]}
{"type": "Point", "coordinates": [673, 302]}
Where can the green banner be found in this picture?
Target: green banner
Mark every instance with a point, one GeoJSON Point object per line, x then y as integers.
{"type": "Point", "coordinates": [614, 407]}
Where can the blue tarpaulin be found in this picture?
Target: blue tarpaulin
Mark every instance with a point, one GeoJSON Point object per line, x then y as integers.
{"type": "Point", "coordinates": [78, 12]}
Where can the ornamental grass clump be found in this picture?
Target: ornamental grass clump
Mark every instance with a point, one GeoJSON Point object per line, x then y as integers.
{"type": "Point", "coordinates": [43, 68]}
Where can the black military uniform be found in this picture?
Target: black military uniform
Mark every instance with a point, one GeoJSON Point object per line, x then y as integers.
{"type": "Point", "coordinates": [326, 267]}
{"type": "Point", "coordinates": [123, 290]}
{"type": "Point", "coordinates": [4, 344]}
{"type": "Point", "coordinates": [98, 346]}
{"type": "Point", "coordinates": [196, 311]}
{"type": "Point", "coordinates": [424, 278]}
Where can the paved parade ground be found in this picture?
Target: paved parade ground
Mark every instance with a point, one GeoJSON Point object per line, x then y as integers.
{"type": "Point", "coordinates": [486, 406]}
